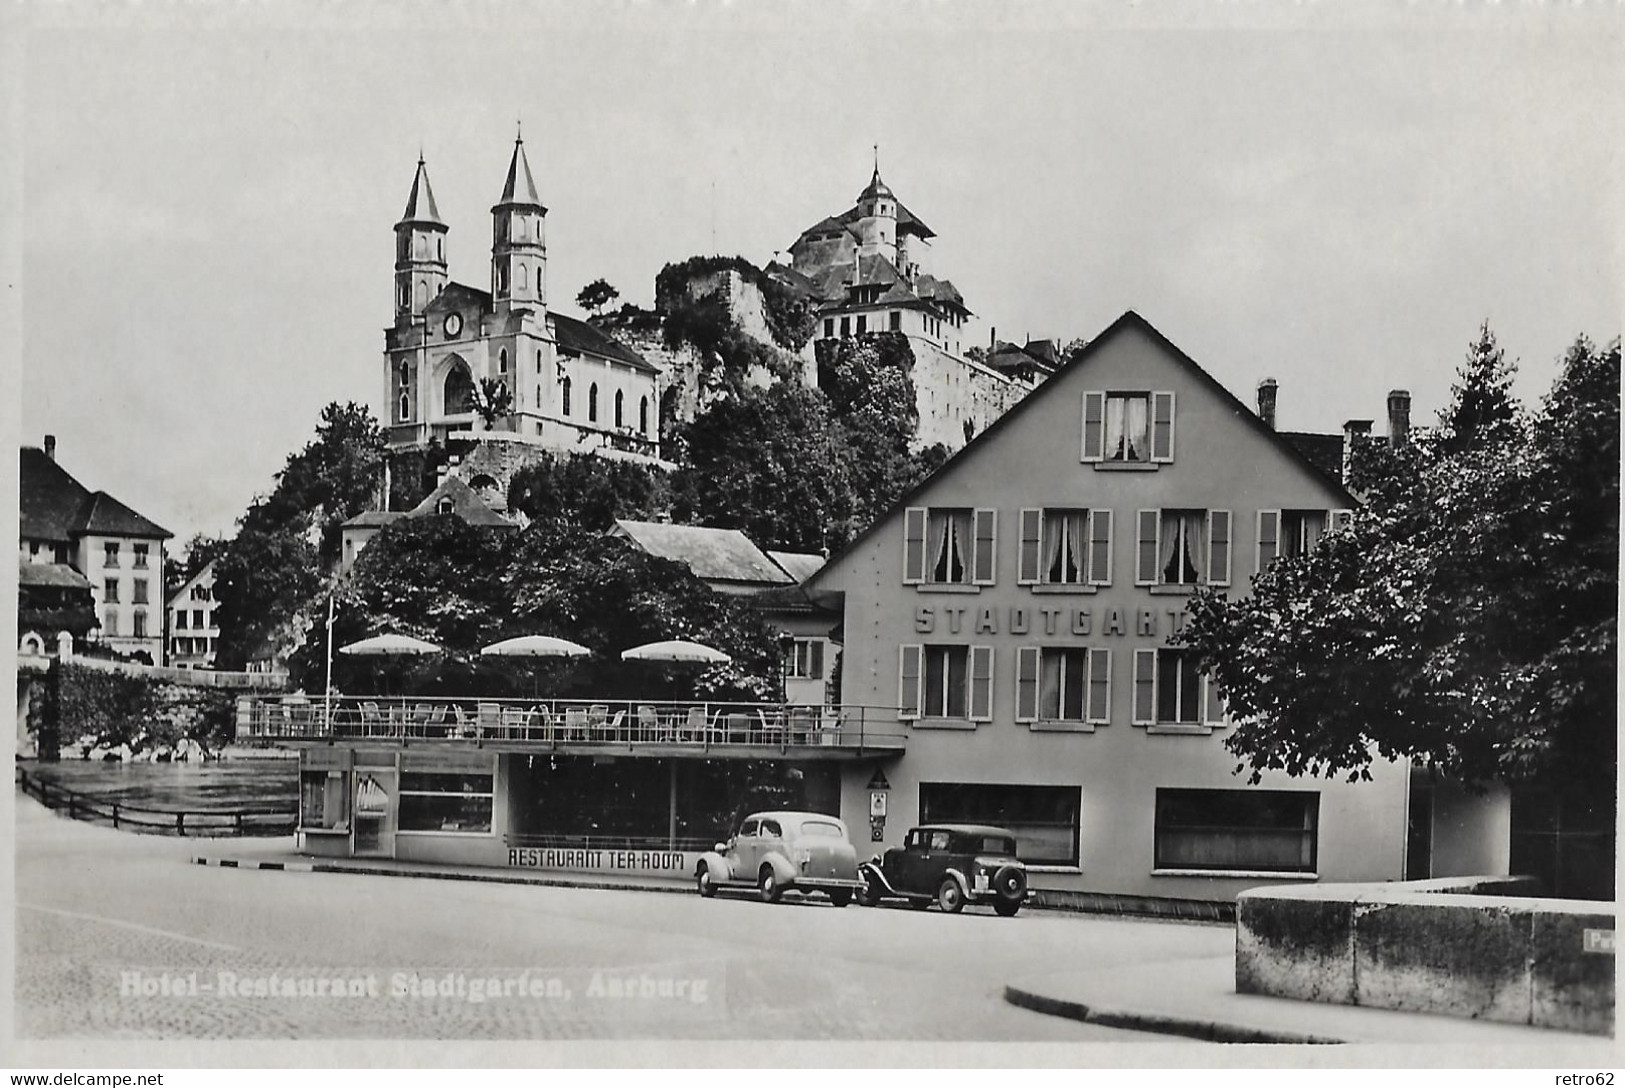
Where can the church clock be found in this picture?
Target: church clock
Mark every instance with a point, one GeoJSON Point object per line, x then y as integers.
{"type": "Point", "coordinates": [454, 324]}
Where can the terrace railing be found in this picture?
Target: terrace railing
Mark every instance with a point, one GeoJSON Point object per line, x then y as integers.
{"type": "Point", "coordinates": [78, 805]}
{"type": "Point", "coordinates": [556, 724]}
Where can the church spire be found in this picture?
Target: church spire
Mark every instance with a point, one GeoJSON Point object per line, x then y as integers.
{"type": "Point", "coordinates": [519, 189]}
{"type": "Point", "coordinates": [420, 206]}
{"type": "Point", "coordinates": [420, 250]}
{"type": "Point", "coordinates": [519, 238]}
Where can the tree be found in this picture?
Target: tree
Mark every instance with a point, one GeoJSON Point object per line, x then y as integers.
{"type": "Point", "coordinates": [588, 490]}
{"type": "Point", "coordinates": [596, 295]}
{"type": "Point", "coordinates": [771, 463]}
{"type": "Point", "coordinates": [492, 401]}
{"type": "Point", "coordinates": [1466, 617]}
{"type": "Point", "coordinates": [198, 553]}
{"type": "Point", "coordinates": [1481, 400]}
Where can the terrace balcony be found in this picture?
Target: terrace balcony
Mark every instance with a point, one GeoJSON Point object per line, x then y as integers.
{"type": "Point", "coordinates": [646, 728]}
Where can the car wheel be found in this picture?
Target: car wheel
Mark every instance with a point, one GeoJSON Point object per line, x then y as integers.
{"type": "Point", "coordinates": [1007, 908]}
{"type": "Point", "coordinates": [950, 898]}
{"type": "Point", "coordinates": [768, 885]}
{"type": "Point", "coordinates": [702, 879]}
{"type": "Point", "coordinates": [869, 894]}
{"type": "Point", "coordinates": [840, 896]}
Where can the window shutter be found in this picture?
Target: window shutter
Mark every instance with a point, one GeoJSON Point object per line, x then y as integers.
{"type": "Point", "coordinates": [908, 680]}
{"type": "Point", "coordinates": [1145, 687]}
{"type": "Point", "coordinates": [1100, 547]}
{"type": "Point", "coordinates": [981, 683]}
{"type": "Point", "coordinates": [984, 560]}
{"type": "Point", "coordinates": [1027, 684]}
{"type": "Point", "coordinates": [1341, 519]}
{"type": "Point", "coordinates": [1145, 569]}
{"type": "Point", "coordinates": [815, 669]}
{"type": "Point", "coordinates": [914, 545]}
{"type": "Point", "coordinates": [1094, 427]}
{"type": "Point", "coordinates": [1218, 547]}
{"type": "Point", "coordinates": [1032, 520]}
{"type": "Point", "coordinates": [1212, 706]}
{"type": "Point", "coordinates": [1162, 427]}
{"type": "Point", "coordinates": [1269, 537]}
{"type": "Point", "coordinates": [1099, 710]}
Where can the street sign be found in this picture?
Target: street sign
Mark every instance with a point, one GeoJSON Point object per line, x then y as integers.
{"type": "Point", "coordinates": [1600, 941]}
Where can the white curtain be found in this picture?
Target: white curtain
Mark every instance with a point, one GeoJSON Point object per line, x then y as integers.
{"type": "Point", "coordinates": [1054, 544]}
{"type": "Point", "coordinates": [1134, 430]}
{"type": "Point", "coordinates": [1184, 543]}
{"type": "Point", "coordinates": [938, 537]}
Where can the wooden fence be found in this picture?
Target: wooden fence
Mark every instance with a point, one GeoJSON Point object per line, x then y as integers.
{"type": "Point", "coordinates": [202, 823]}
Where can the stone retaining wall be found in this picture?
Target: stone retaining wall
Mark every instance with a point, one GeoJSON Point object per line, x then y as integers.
{"type": "Point", "coordinates": [1470, 947]}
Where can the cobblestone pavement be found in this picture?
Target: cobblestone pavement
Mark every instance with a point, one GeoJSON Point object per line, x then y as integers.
{"type": "Point", "coordinates": [106, 920]}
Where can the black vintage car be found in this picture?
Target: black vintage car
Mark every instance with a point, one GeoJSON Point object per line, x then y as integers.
{"type": "Point", "coordinates": [950, 865]}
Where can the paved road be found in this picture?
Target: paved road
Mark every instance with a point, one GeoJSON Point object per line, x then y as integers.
{"type": "Point", "coordinates": [95, 905]}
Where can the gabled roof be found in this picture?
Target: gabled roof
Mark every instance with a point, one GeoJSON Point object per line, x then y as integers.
{"type": "Point", "coordinates": [1128, 320]}
{"type": "Point", "coordinates": [939, 290]}
{"type": "Point", "coordinates": [52, 575]}
{"type": "Point", "coordinates": [420, 207]}
{"type": "Point", "coordinates": [714, 555]}
{"type": "Point", "coordinates": [106, 516]}
{"type": "Point", "coordinates": [49, 498]}
{"type": "Point", "coordinates": [907, 221]}
{"type": "Point", "coordinates": [1324, 451]}
{"type": "Point", "coordinates": [465, 504]}
{"type": "Point", "coordinates": [204, 572]}
{"type": "Point", "coordinates": [519, 191]}
{"type": "Point", "coordinates": [56, 507]}
{"type": "Point", "coordinates": [798, 565]}
{"type": "Point", "coordinates": [459, 296]}
{"type": "Point", "coordinates": [578, 336]}
{"type": "Point", "coordinates": [374, 519]}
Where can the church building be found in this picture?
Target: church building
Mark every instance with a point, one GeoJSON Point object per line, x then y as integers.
{"type": "Point", "coordinates": [494, 366]}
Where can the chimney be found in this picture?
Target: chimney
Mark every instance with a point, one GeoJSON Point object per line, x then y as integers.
{"type": "Point", "coordinates": [1355, 431]}
{"type": "Point", "coordinates": [50, 446]}
{"type": "Point", "coordinates": [992, 337]}
{"type": "Point", "coordinates": [1266, 402]}
{"type": "Point", "coordinates": [1399, 418]}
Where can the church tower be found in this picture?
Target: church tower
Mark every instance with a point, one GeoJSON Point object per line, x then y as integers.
{"type": "Point", "coordinates": [877, 219]}
{"type": "Point", "coordinates": [420, 251]}
{"type": "Point", "coordinates": [519, 240]}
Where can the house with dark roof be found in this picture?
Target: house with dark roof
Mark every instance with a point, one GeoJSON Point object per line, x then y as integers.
{"type": "Point", "coordinates": [194, 632]}
{"type": "Point", "coordinates": [452, 496]}
{"type": "Point", "coordinates": [73, 535]}
{"type": "Point", "coordinates": [454, 350]}
{"type": "Point", "coordinates": [868, 270]}
{"type": "Point", "coordinates": [1019, 608]}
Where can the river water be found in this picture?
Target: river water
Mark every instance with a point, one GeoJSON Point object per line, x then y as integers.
{"type": "Point", "coordinates": [221, 784]}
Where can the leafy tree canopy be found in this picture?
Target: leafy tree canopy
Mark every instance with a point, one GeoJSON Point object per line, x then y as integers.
{"type": "Point", "coordinates": [596, 295]}
{"type": "Point", "coordinates": [588, 491]}
{"type": "Point", "coordinates": [1467, 617]}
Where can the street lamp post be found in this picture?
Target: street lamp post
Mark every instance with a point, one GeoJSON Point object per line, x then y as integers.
{"type": "Point", "coordinates": [327, 691]}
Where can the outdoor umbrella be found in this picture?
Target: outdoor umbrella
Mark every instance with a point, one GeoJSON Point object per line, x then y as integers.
{"type": "Point", "coordinates": [534, 646]}
{"type": "Point", "coordinates": [676, 650]}
{"type": "Point", "coordinates": [390, 646]}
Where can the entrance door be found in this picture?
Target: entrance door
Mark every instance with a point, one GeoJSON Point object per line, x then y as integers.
{"type": "Point", "coordinates": [375, 800]}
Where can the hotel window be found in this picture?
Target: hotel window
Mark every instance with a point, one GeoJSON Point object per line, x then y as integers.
{"type": "Point", "coordinates": [1183, 548]}
{"type": "Point", "coordinates": [1044, 819]}
{"type": "Point", "coordinates": [140, 560]}
{"type": "Point", "coordinates": [439, 801]}
{"type": "Point", "coordinates": [180, 619]}
{"type": "Point", "coordinates": [110, 554]}
{"type": "Point", "coordinates": [829, 327]}
{"type": "Point", "coordinates": [896, 321]}
{"type": "Point", "coordinates": [110, 591]}
{"type": "Point", "coordinates": [140, 587]}
{"type": "Point", "coordinates": [863, 324]}
{"type": "Point", "coordinates": [1271, 831]}
{"type": "Point", "coordinates": [846, 326]}
{"type": "Point", "coordinates": [139, 618]}
{"type": "Point", "coordinates": [1295, 532]}
{"type": "Point", "coordinates": [1061, 546]}
{"type": "Point", "coordinates": [945, 682]}
{"type": "Point", "coordinates": [322, 804]}
{"type": "Point", "coordinates": [1128, 428]}
{"type": "Point", "coordinates": [1168, 690]}
{"type": "Point", "coordinates": [807, 659]}
{"type": "Point", "coordinates": [110, 622]}
{"type": "Point", "coordinates": [1063, 684]}
{"type": "Point", "coordinates": [949, 546]}
{"type": "Point", "coordinates": [197, 618]}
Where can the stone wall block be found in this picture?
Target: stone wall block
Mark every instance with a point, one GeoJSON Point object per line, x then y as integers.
{"type": "Point", "coordinates": [1296, 948]}
{"type": "Point", "coordinates": [1571, 989]}
{"type": "Point", "coordinates": [1469, 961]}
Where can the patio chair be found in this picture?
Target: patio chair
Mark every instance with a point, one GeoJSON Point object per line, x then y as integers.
{"type": "Point", "coordinates": [513, 721]}
{"type": "Point", "coordinates": [490, 719]}
{"type": "Point", "coordinates": [648, 723]}
{"type": "Point", "coordinates": [372, 720]}
{"type": "Point", "coordinates": [539, 724]}
{"type": "Point", "coordinates": [465, 723]}
{"type": "Point", "coordinates": [737, 725]}
{"type": "Point", "coordinates": [575, 723]}
{"type": "Point", "coordinates": [436, 725]}
{"type": "Point", "coordinates": [420, 719]}
{"type": "Point", "coordinates": [802, 723]}
{"type": "Point", "coordinates": [772, 723]}
{"type": "Point", "coordinates": [694, 727]}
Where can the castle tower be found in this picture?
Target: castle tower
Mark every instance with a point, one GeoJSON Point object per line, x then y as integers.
{"type": "Point", "coordinates": [420, 251]}
{"type": "Point", "coordinates": [518, 240]}
{"type": "Point", "coordinates": [877, 218]}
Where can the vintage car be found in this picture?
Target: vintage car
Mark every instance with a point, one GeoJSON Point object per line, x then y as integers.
{"type": "Point", "coordinates": [950, 865]}
{"type": "Point", "coordinates": [778, 852]}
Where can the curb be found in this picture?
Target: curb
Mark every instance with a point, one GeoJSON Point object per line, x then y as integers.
{"type": "Point", "coordinates": [429, 874]}
{"type": "Point", "coordinates": [1210, 1031]}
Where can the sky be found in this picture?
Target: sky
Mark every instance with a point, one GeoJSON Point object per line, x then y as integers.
{"type": "Point", "coordinates": [1332, 196]}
